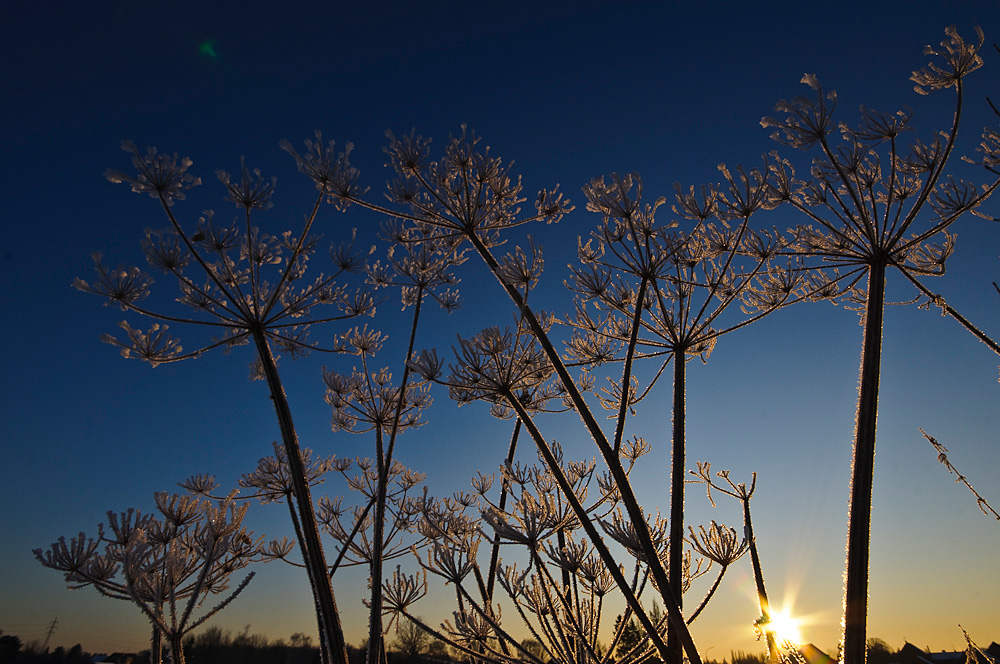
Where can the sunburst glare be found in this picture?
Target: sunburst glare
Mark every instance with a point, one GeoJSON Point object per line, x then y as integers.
{"type": "Point", "coordinates": [786, 627]}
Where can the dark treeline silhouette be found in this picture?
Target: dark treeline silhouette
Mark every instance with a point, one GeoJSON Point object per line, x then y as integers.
{"type": "Point", "coordinates": [218, 646]}
{"type": "Point", "coordinates": [12, 649]}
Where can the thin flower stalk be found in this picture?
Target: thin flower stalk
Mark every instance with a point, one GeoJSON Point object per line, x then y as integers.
{"type": "Point", "coordinates": [740, 492]}
{"type": "Point", "coordinates": [721, 546]}
{"type": "Point", "coordinates": [942, 451]}
{"type": "Point", "coordinates": [495, 548]}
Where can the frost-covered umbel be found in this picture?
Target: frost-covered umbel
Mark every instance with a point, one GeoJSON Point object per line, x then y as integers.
{"type": "Point", "coordinates": [168, 564]}
{"type": "Point", "coordinates": [235, 279]}
{"type": "Point", "coordinates": [667, 291]}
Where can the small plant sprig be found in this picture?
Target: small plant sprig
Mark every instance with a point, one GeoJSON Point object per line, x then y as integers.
{"type": "Point", "coordinates": [942, 451]}
{"type": "Point", "coordinates": [973, 653]}
{"type": "Point", "coordinates": [167, 566]}
{"type": "Point", "coordinates": [743, 494]}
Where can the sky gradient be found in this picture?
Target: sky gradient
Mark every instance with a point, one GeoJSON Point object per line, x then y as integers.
{"type": "Point", "coordinates": [569, 92]}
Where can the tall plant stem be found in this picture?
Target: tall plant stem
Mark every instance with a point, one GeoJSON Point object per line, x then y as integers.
{"type": "Point", "coordinates": [332, 642]}
{"type": "Point", "coordinates": [375, 645]}
{"type": "Point", "coordinates": [675, 564]}
{"type": "Point", "coordinates": [607, 452]}
{"type": "Point", "coordinates": [758, 578]}
{"type": "Point", "coordinates": [378, 537]}
{"type": "Point", "coordinates": [290, 501]}
{"type": "Point", "coordinates": [862, 473]}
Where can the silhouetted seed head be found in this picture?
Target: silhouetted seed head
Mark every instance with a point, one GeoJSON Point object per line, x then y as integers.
{"type": "Point", "coordinates": [159, 175]}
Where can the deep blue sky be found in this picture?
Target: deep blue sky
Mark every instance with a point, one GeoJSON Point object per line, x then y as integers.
{"type": "Point", "coordinates": [569, 91]}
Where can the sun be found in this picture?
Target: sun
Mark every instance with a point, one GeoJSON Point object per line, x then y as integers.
{"type": "Point", "coordinates": [786, 627]}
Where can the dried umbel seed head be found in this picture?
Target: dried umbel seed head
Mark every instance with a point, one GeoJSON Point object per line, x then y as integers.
{"type": "Point", "coordinates": [960, 59]}
{"type": "Point", "coordinates": [159, 175]}
{"type": "Point", "coordinates": [718, 543]}
{"type": "Point", "coordinates": [402, 591]}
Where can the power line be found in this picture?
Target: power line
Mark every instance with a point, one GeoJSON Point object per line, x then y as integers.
{"type": "Point", "coordinates": [48, 633]}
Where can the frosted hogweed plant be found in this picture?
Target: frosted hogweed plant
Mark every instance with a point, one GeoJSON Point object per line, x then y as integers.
{"type": "Point", "coordinates": [649, 290]}
{"type": "Point", "coordinates": [245, 286]}
{"type": "Point", "coordinates": [472, 196]}
{"type": "Point", "coordinates": [873, 205]}
{"type": "Point", "coordinates": [420, 262]}
{"type": "Point", "coordinates": [168, 565]}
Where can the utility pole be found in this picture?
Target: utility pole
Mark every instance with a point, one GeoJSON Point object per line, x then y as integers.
{"type": "Point", "coordinates": [49, 631]}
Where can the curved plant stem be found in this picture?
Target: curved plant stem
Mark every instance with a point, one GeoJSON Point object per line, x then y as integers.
{"type": "Point", "coordinates": [708, 595]}
{"type": "Point", "coordinates": [963, 321]}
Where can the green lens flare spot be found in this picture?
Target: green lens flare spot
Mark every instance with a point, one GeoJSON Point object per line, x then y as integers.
{"type": "Point", "coordinates": [207, 48]}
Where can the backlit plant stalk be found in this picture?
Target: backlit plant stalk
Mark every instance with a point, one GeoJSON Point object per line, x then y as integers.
{"type": "Point", "coordinates": [238, 302]}
{"type": "Point", "coordinates": [863, 202]}
{"type": "Point", "coordinates": [668, 294]}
